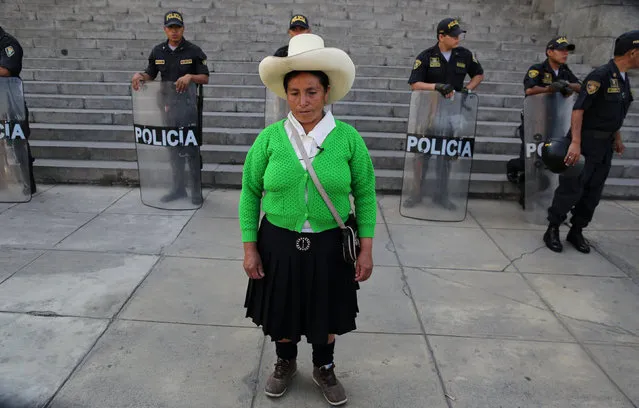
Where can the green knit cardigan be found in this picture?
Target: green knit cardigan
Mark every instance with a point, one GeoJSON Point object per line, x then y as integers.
{"type": "Point", "coordinates": [273, 174]}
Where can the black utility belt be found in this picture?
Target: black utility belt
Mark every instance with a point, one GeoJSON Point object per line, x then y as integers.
{"type": "Point", "coordinates": [597, 134]}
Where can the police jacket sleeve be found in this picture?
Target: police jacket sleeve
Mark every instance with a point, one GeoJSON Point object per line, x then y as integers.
{"type": "Point", "coordinates": [200, 64]}
{"type": "Point", "coordinates": [152, 69]}
{"type": "Point", "coordinates": [532, 78]}
{"type": "Point", "coordinates": [11, 58]}
{"type": "Point", "coordinates": [590, 92]}
{"type": "Point", "coordinates": [474, 67]}
{"type": "Point", "coordinates": [418, 74]}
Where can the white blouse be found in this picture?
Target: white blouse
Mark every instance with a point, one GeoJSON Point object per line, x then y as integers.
{"type": "Point", "coordinates": [310, 141]}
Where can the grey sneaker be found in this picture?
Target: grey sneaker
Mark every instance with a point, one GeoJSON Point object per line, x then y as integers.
{"type": "Point", "coordinates": [278, 382]}
{"type": "Point", "coordinates": [332, 389]}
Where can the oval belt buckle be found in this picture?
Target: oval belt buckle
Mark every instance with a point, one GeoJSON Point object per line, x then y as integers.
{"type": "Point", "coordinates": [303, 244]}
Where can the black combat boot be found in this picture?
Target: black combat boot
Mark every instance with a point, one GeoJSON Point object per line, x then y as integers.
{"type": "Point", "coordinates": [551, 238]}
{"type": "Point", "coordinates": [576, 238]}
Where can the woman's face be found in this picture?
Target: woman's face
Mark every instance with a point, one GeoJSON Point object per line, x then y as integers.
{"type": "Point", "coordinates": [306, 98]}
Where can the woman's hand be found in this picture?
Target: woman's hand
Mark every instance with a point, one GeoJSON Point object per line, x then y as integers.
{"type": "Point", "coordinates": [364, 265]}
{"type": "Point", "coordinates": [252, 261]}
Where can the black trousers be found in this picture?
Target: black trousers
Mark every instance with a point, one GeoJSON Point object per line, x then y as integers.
{"type": "Point", "coordinates": [442, 169]}
{"type": "Point", "coordinates": [180, 111]}
{"type": "Point", "coordinates": [178, 156]}
{"type": "Point", "coordinates": [581, 194]}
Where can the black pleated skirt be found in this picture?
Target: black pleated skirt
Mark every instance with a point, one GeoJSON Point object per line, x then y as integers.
{"type": "Point", "coordinates": [307, 290]}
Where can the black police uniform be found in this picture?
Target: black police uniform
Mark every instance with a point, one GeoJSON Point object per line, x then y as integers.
{"type": "Point", "coordinates": [11, 59]}
{"type": "Point", "coordinates": [432, 67]}
{"type": "Point", "coordinates": [605, 100]}
{"type": "Point", "coordinates": [281, 52]}
{"type": "Point", "coordinates": [187, 58]}
{"type": "Point", "coordinates": [541, 75]}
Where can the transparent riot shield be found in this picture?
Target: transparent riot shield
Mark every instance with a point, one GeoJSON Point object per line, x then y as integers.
{"type": "Point", "coordinates": [168, 135]}
{"type": "Point", "coordinates": [276, 108]}
{"type": "Point", "coordinates": [440, 143]}
{"type": "Point", "coordinates": [15, 184]}
{"type": "Point", "coordinates": [546, 117]}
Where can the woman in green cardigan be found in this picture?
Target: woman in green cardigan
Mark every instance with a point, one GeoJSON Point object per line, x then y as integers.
{"type": "Point", "coordinates": [299, 283]}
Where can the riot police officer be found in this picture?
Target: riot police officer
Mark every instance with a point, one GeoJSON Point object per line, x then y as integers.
{"type": "Point", "coordinates": [182, 62]}
{"type": "Point", "coordinates": [10, 66]}
{"type": "Point", "coordinates": [552, 75]}
{"type": "Point", "coordinates": [597, 116]}
{"type": "Point", "coordinates": [297, 25]}
{"type": "Point", "coordinates": [443, 68]}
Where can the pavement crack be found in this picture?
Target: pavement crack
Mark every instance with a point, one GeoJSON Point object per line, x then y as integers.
{"type": "Point", "coordinates": [481, 289]}
{"type": "Point", "coordinates": [43, 313]}
{"type": "Point", "coordinates": [521, 256]}
{"type": "Point", "coordinates": [608, 327]}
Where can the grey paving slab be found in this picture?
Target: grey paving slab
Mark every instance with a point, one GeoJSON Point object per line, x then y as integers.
{"type": "Point", "coordinates": [38, 353]}
{"type": "Point", "coordinates": [500, 214]}
{"type": "Point", "coordinates": [377, 370]}
{"type": "Point", "coordinates": [383, 249]}
{"type": "Point", "coordinates": [482, 373]}
{"type": "Point", "coordinates": [474, 303]}
{"type": "Point", "coordinates": [528, 252]}
{"type": "Point", "coordinates": [6, 206]}
{"type": "Point", "coordinates": [12, 260]}
{"type": "Point", "coordinates": [622, 365]}
{"type": "Point", "coordinates": [383, 304]}
{"type": "Point", "coordinates": [220, 204]}
{"type": "Point", "coordinates": [75, 283]}
{"type": "Point", "coordinates": [630, 205]}
{"type": "Point", "coordinates": [595, 308]}
{"type": "Point", "coordinates": [130, 203]}
{"type": "Point", "coordinates": [446, 247]}
{"type": "Point", "coordinates": [389, 207]}
{"type": "Point", "coordinates": [209, 238]}
{"type": "Point", "coordinates": [189, 290]}
{"type": "Point", "coordinates": [61, 198]}
{"type": "Point", "coordinates": [38, 229]}
{"type": "Point", "coordinates": [609, 215]}
{"type": "Point", "coordinates": [147, 234]}
{"type": "Point", "coordinates": [166, 365]}
{"type": "Point", "coordinates": [620, 247]}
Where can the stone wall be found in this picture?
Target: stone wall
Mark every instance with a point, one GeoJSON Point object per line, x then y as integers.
{"type": "Point", "coordinates": [592, 25]}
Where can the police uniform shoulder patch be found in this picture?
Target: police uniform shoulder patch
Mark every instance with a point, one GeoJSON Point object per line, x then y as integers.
{"type": "Point", "coordinates": [9, 51]}
{"type": "Point", "coordinates": [417, 64]}
{"type": "Point", "coordinates": [533, 73]}
{"type": "Point", "coordinates": [203, 62]}
{"type": "Point", "coordinates": [592, 87]}
{"type": "Point", "coordinates": [434, 62]}
{"type": "Point", "coordinates": [475, 59]}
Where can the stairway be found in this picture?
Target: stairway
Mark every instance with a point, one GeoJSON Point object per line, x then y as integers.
{"type": "Point", "coordinates": [79, 59]}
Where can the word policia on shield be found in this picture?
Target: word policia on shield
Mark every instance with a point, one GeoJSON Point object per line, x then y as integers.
{"type": "Point", "coordinates": [11, 130]}
{"type": "Point", "coordinates": [440, 146]}
{"type": "Point", "coordinates": [166, 136]}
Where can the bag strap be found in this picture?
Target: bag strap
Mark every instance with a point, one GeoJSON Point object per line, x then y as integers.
{"type": "Point", "coordinates": [318, 185]}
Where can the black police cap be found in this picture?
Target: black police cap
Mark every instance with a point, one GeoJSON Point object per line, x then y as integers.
{"type": "Point", "coordinates": [560, 43]}
{"type": "Point", "coordinates": [299, 20]}
{"type": "Point", "coordinates": [173, 18]}
{"type": "Point", "coordinates": [626, 42]}
{"type": "Point", "coordinates": [449, 26]}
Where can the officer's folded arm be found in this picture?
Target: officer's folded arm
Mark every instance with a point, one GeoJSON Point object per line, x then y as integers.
{"type": "Point", "coordinates": [536, 90]}
{"type": "Point", "coordinates": [4, 72]}
{"type": "Point", "coordinates": [422, 86]}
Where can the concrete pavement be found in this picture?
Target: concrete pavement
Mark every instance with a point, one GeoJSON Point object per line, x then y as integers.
{"type": "Point", "coordinates": [107, 303]}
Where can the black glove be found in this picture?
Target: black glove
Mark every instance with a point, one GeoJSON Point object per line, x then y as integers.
{"type": "Point", "coordinates": [560, 86]}
{"type": "Point", "coordinates": [444, 89]}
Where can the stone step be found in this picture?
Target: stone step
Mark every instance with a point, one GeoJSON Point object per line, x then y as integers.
{"type": "Point", "coordinates": [114, 173]}
{"type": "Point", "coordinates": [398, 81]}
{"type": "Point", "coordinates": [246, 136]}
{"type": "Point", "coordinates": [364, 89]}
{"type": "Point", "coordinates": [234, 154]}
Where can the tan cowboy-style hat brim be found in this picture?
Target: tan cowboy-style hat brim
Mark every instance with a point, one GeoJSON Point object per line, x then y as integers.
{"type": "Point", "coordinates": [306, 52]}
